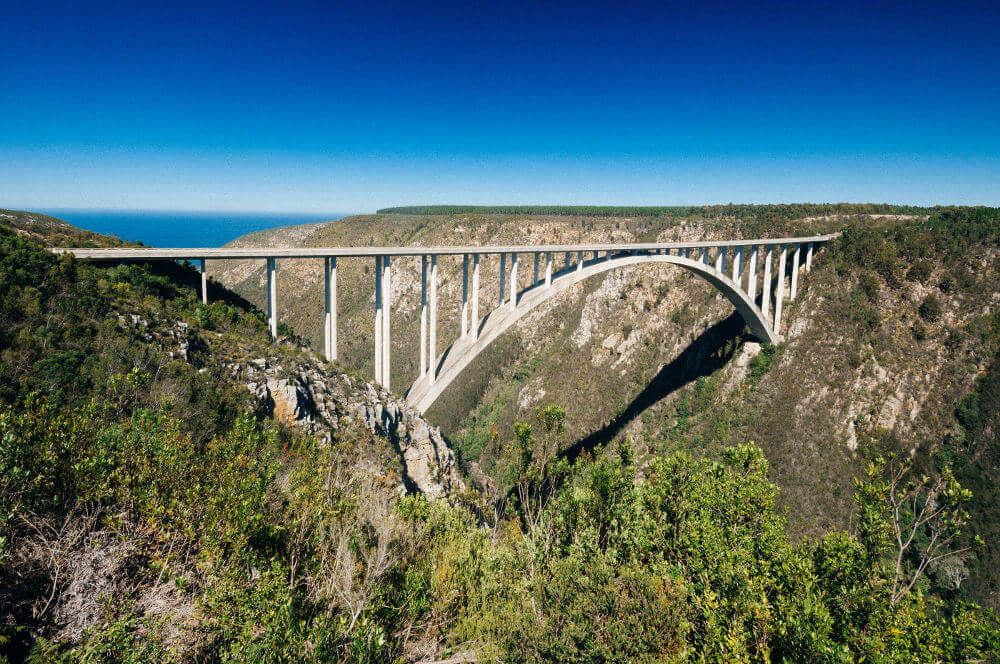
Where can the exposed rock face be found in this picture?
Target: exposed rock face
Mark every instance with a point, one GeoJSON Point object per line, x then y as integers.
{"type": "Point", "coordinates": [307, 395]}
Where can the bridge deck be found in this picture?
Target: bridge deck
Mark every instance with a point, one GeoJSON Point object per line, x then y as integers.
{"type": "Point", "coordinates": [321, 252]}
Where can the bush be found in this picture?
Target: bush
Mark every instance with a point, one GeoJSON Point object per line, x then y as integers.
{"type": "Point", "coordinates": [930, 309]}
{"type": "Point", "coordinates": [870, 287]}
{"type": "Point", "coordinates": [867, 318]}
{"type": "Point", "coordinates": [920, 271]}
{"type": "Point", "coordinates": [762, 362]}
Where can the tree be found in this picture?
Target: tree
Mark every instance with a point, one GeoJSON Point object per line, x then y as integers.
{"type": "Point", "coordinates": [926, 518]}
{"type": "Point", "coordinates": [534, 469]}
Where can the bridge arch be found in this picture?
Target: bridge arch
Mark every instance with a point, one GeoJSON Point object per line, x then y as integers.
{"type": "Point", "coordinates": [458, 356]}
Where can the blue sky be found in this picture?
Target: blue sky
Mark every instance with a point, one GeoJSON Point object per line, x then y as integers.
{"type": "Point", "coordinates": [323, 107]}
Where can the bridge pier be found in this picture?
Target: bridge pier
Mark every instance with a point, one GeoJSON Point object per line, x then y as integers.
{"type": "Point", "coordinates": [423, 316]}
{"type": "Point", "coordinates": [720, 260]}
{"type": "Point", "coordinates": [779, 297]}
{"type": "Point", "coordinates": [330, 308]}
{"type": "Point", "coordinates": [513, 281]}
{"type": "Point", "coordinates": [795, 272]}
{"type": "Point", "coordinates": [386, 321]}
{"type": "Point", "coordinates": [377, 364]}
{"type": "Point", "coordinates": [579, 261]}
{"type": "Point", "coordinates": [475, 295]}
{"type": "Point", "coordinates": [272, 297]}
{"type": "Point", "coordinates": [432, 334]}
{"type": "Point", "coordinates": [503, 277]}
{"type": "Point", "coordinates": [809, 257]}
{"type": "Point", "coordinates": [204, 282]}
{"type": "Point", "coordinates": [752, 273]}
{"type": "Point", "coordinates": [548, 269]}
{"type": "Point", "coordinates": [465, 296]}
{"type": "Point", "coordinates": [738, 265]}
{"type": "Point", "coordinates": [535, 278]}
{"type": "Point", "coordinates": [765, 291]}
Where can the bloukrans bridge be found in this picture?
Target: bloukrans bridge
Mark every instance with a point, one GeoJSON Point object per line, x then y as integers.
{"type": "Point", "coordinates": [744, 271]}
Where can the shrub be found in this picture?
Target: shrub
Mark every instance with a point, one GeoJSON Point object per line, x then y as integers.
{"type": "Point", "coordinates": [930, 309]}
{"type": "Point", "coordinates": [867, 318]}
{"type": "Point", "coordinates": [869, 286]}
{"type": "Point", "coordinates": [762, 362]}
{"type": "Point", "coordinates": [920, 271]}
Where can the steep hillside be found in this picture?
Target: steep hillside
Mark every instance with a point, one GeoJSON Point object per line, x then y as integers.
{"type": "Point", "coordinates": [658, 355]}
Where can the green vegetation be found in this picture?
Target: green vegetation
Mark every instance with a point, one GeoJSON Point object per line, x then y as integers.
{"type": "Point", "coordinates": [930, 309]}
{"type": "Point", "coordinates": [762, 362]}
{"type": "Point", "coordinates": [690, 564]}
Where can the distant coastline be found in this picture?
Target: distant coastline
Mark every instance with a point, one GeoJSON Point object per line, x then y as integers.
{"type": "Point", "coordinates": [167, 229]}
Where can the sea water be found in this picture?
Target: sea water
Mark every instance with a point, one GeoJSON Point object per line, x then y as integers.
{"type": "Point", "coordinates": [181, 229]}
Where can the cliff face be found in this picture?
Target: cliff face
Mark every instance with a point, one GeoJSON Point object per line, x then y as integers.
{"type": "Point", "coordinates": [307, 395]}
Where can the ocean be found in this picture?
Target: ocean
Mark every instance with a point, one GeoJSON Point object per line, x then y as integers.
{"type": "Point", "coordinates": [181, 229]}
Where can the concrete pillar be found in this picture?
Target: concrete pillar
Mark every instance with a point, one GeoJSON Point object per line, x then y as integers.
{"type": "Point", "coordinates": [513, 281]}
{"type": "Point", "coordinates": [765, 291]}
{"type": "Point", "coordinates": [535, 280]}
{"type": "Point", "coordinates": [272, 297]}
{"type": "Point", "coordinates": [796, 255]}
{"type": "Point", "coordinates": [379, 328]}
{"type": "Point", "coordinates": [720, 260]}
{"type": "Point", "coordinates": [780, 296]}
{"type": "Point", "coordinates": [330, 320]}
{"type": "Point", "coordinates": [475, 295]}
{"type": "Point", "coordinates": [548, 269]}
{"type": "Point", "coordinates": [465, 296]}
{"type": "Point", "coordinates": [503, 277]}
{"type": "Point", "coordinates": [687, 252]}
{"type": "Point", "coordinates": [579, 261]}
{"type": "Point", "coordinates": [386, 321]}
{"type": "Point", "coordinates": [703, 256]}
{"type": "Point", "coordinates": [204, 283]}
{"type": "Point", "coordinates": [569, 260]}
{"type": "Point", "coordinates": [809, 257]}
{"type": "Point", "coordinates": [432, 325]}
{"type": "Point", "coordinates": [423, 315]}
{"type": "Point", "coordinates": [738, 265]}
{"type": "Point", "coordinates": [752, 273]}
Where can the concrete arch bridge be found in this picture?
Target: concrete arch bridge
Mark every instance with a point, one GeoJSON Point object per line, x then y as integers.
{"type": "Point", "coordinates": [744, 271]}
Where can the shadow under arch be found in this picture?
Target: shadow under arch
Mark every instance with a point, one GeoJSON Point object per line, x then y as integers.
{"type": "Point", "coordinates": [450, 364]}
{"type": "Point", "coordinates": [710, 351]}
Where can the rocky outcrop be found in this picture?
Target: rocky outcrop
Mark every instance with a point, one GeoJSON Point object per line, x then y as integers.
{"type": "Point", "coordinates": [305, 394]}
{"type": "Point", "coordinates": [300, 390]}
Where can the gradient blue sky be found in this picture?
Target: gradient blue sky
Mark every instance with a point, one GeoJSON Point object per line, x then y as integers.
{"type": "Point", "coordinates": [323, 107]}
